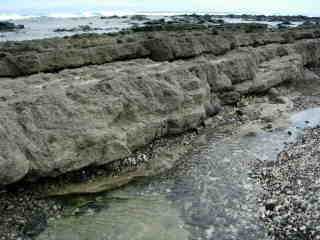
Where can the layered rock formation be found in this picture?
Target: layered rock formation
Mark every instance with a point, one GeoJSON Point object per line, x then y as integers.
{"type": "Point", "coordinates": [51, 55]}
{"type": "Point", "coordinates": [122, 93]}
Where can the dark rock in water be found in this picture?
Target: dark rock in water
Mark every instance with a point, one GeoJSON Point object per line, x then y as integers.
{"type": "Point", "coordinates": [81, 28]}
{"type": "Point", "coordinates": [85, 28]}
{"type": "Point", "coordinates": [220, 21]}
{"type": "Point", "coordinates": [168, 27]}
{"type": "Point", "coordinates": [197, 19]}
{"type": "Point", "coordinates": [286, 22]}
{"type": "Point", "coordinates": [64, 30]}
{"type": "Point", "coordinates": [110, 17]}
{"type": "Point", "coordinates": [139, 18]}
{"type": "Point", "coordinates": [282, 26]}
{"type": "Point", "coordinates": [8, 26]}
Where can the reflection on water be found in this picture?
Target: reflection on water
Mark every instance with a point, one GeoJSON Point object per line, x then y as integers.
{"type": "Point", "coordinates": [210, 196]}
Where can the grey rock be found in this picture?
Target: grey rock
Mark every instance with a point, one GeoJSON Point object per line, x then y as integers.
{"type": "Point", "coordinates": [310, 76]}
{"type": "Point", "coordinates": [54, 123]}
{"type": "Point", "coordinates": [51, 55]}
{"type": "Point", "coordinates": [282, 100]}
{"type": "Point", "coordinates": [273, 92]}
{"type": "Point", "coordinates": [212, 110]}
{"type": "Point", "coordinates": [230, 97]}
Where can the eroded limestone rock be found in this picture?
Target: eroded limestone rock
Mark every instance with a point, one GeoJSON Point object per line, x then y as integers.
{"type": "Point", "coordinates": [54, 123]}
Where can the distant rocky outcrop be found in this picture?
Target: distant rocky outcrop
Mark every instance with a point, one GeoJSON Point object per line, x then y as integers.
{"type": "Point", "coordinates": [9, 26]}
{"type": "Point", "coordinates": [90, 100]}
{"type": "Point", "coordinates": [139, 18]}
{"type": "Point", "coordinates": [81, 28]}
{"type": "Point", "coordinates": [112, 17]}
{"type": "Point", "coordinates": [269, 18]}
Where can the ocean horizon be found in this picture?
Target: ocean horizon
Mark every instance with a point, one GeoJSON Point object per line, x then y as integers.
{"type": "Point", "coordinates": [87, 14]}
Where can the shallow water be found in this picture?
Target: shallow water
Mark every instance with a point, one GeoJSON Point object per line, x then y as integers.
{"type": "Point", "coordinates": [43, 27]}
{"type": "Point", "coordinates": [210, 196]}
{"type": "Point", "coordinates": [307, 118]}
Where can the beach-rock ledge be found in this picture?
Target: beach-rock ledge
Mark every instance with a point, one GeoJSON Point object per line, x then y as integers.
{"type": "Point", "coordinates": [56, 122]}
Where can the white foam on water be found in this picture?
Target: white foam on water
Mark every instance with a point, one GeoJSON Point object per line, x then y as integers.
{"type": "Point", "coordinates": [88, 14]}
{"type": "Point", "coordinates": [13, 16]}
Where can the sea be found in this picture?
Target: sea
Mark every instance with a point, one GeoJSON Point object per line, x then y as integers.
{"type": "Point", "coordinates": [42, 26]}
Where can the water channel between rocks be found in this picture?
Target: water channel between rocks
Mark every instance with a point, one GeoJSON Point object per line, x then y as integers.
{"type": "Point", "coordinates": [210, 196]}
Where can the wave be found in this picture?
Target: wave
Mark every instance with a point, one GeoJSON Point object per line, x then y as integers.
{"type": "Point", "coordinates": [15, 16]}
{"type": "Point", "coordinates": [88, 14]}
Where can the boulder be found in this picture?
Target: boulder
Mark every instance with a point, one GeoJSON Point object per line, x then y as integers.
{"type": "Point", "coordinates": [311, 76]}
{"type": "Point", "coordinates": [139, 18]}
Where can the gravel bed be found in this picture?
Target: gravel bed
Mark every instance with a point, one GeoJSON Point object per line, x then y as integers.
{"type": "Point", "coordinates": [23, 215]}
{"type": "Point", "coordinates": [291, 199]}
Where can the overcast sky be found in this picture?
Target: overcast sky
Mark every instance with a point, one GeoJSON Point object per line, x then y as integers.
{"type": "Point", "coordinates": [310, 7]}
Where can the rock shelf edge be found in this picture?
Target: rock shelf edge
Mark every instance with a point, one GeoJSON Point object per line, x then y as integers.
{"type": "Point", "coordinates": [119, 97]}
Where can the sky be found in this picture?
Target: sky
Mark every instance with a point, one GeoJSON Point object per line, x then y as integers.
{"type": "Point", "coordinates": [306, 7]}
